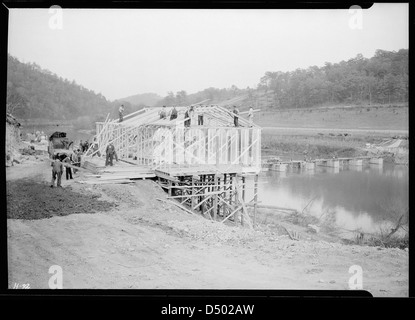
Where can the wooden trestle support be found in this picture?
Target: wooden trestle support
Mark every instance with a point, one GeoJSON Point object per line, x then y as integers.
{"type": "Point", "coordinates": [219, 197]}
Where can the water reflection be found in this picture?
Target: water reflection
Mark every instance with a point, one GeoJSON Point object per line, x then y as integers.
{"type": "Point", "coordinates": [366, 201]}
{"type": "Point", "coordinates": [355, 168]}
{"type": "Point", "coordinates": [308, 172]}
{"type": "Point", "coordinates": [333, 170]}
{"type": "Point", "coordinates": [376, 167]}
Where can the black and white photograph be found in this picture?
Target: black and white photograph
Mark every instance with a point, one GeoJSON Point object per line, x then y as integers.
{"type": "Point", "coordinates": [208, 149]}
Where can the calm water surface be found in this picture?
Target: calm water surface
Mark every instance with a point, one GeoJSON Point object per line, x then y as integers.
{"type": "Point", "coordinates": [364, 198]}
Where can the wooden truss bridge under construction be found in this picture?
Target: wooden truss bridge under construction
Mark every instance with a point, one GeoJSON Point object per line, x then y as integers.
{"type": "Point", "coordinates": [202, 166]}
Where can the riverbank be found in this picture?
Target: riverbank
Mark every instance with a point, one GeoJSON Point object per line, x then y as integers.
{"type": "Point", "coordinates": [341, 131]}
{"type": "Point", "coordinates": [139, 242]}
{"type": "Point", "coordinates": [315, 143]}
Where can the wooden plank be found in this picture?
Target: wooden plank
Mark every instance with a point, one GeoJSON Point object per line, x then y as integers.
{"type": "Point", "coordinates": [165, 176]}
{"type": "Point", "coordinates": [204, 200]}
{"type": "Point", "coordinates": [126, 177]}
{"type": "Point", "coordinates": [245, 216]}
{"type": "Point", "coordinates": [255, 198]}
{"type": "Point", "coordinates": [231, 214]}
{"type": "Point", "coordinates": [105, 182]}
{"type": "Point", "coordinates": [176, 204]}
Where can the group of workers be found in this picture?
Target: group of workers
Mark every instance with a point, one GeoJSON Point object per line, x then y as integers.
{"type": "Point", "coordinates": [83, 146]}
{"type": "Point", "coordinates": [236, 116]}
{"type": "Point", "coordinates": [189, 115]}
{"type": "Point", "coordinates": [74, 158]}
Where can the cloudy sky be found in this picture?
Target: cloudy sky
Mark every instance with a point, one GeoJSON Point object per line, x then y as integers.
{"type": "Point", "coordinates": [124, 52]}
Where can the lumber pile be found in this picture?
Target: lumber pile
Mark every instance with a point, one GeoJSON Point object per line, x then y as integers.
{"type": "Point", "coordinates": [120, 172]}
{"type": "Point", "coordinates": [94, 165]}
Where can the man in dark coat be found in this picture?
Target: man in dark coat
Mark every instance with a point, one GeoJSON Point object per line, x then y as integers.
{"type": "Point", "coordinates": [173, 114]}
{"type": "Point", "coordinates": [68, 169]}
{"type": "Point", "coordinates": [57, 170]}
{"type": "Point", "coordinates": [110, 154]}
{"type": "Point", "coordinates": [121, 113]}
{"type": "Point", "coordinates": [236, 117]}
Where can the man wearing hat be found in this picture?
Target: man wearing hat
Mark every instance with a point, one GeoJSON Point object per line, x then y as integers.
{"type": "Point", "coordinates": [110, 154]}
{"type": "Point", "coordinates": [121, 113]}
{"type": "Point", "coordinates": [236, 117]}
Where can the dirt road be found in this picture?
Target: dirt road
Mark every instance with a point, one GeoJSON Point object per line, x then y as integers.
{"type": "Point", "coordinates": [140, 242]}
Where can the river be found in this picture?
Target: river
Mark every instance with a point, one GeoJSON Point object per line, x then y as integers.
{"type": "Point", "coordinates": [366, 198]}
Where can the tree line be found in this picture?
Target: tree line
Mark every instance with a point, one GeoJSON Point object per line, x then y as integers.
{"type": "Point", "coordinates": [33, 92]}
{"type": "Point", "coordinates": [379, 80]}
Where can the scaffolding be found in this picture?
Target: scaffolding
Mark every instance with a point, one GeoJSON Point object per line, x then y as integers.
{"type": "Point", "coordinates": [146, 139]}
{"type": "Point", "coordinates": [203, 165]}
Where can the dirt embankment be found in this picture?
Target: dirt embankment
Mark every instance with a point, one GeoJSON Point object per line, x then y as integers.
{"type": "Point", "coordinates": [135, 241]}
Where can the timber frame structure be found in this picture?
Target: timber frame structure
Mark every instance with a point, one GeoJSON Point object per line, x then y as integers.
{"type": "Point", "coordinates": [202, 165]}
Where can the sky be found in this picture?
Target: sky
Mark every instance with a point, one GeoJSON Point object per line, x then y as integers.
{"type": "Point", "coordinates": [122, 52]}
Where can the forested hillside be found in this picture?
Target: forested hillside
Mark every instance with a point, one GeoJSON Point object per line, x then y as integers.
{"type": "Point", "coordinates": [378, 80]}
{"type": "Point", "coordinates": [142, 99]}
{"type": "Point", "coordinates": [33, 92]}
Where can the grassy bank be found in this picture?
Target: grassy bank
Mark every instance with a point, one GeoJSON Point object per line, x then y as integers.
{"type": "Point", "coordinates": [331, 132]}
{"type": "Point", "coordinates": [316, 145]}
{"type": "Point", "coordinates": [304, 226]}
{"type": "Point", "coordinates": [359, 117]}
{"type": "Point", "coordinates": [313, 146]}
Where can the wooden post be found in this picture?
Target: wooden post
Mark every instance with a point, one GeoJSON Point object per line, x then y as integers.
{"type": "Point", "coordinates": [170, 188]}
{"type": "Point", "coordinates": [128, 143]}
{"type": "Point", "coordinates": [217, 151]}
{"type": "Point", "coordinates": [193, 193]}
{"type": "Point", "coordinates": [255, 198]}
{"type": "Point", "coordinates": [215, 197]}
{"type": "Point", "coordinates": [224, 194]}
{"type": "Point", "coordinates": [243, 197]}
{"type": "Point", "coordinates": [236, 215]}
{"type": "Point", "coordinates": [230, 188]}
{"type": "Point", "coordinates": [219, 195]}
{"type": "Point", "coordinates": [202, 206]}
{"type": "Point", "coordinates": [141, 135]}
{"type": "Point", "coordinates": [145, 146]}
{"type": "Point", "coordinates": [174, 146]}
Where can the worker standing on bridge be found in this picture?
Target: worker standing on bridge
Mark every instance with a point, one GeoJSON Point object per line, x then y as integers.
{"type": "Point", "coordinates": [121, 113]}
{"type": "Point", "coordinates": [236, 117]}
{"type": "Point", "coordinates": [192, 115]}
{"type": "Point", "coordinates": [200, 116]}
{"type": "Point", "coordinates": [173, 114]}
{"type": "Point", "coordinates": [187, 118]}
{"type": "Point", "coordinates": [251, 116]}
{"type": "Point", "coordinates": [57, 170]}
{"type": "Point", "coordinates": [163, 113]}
